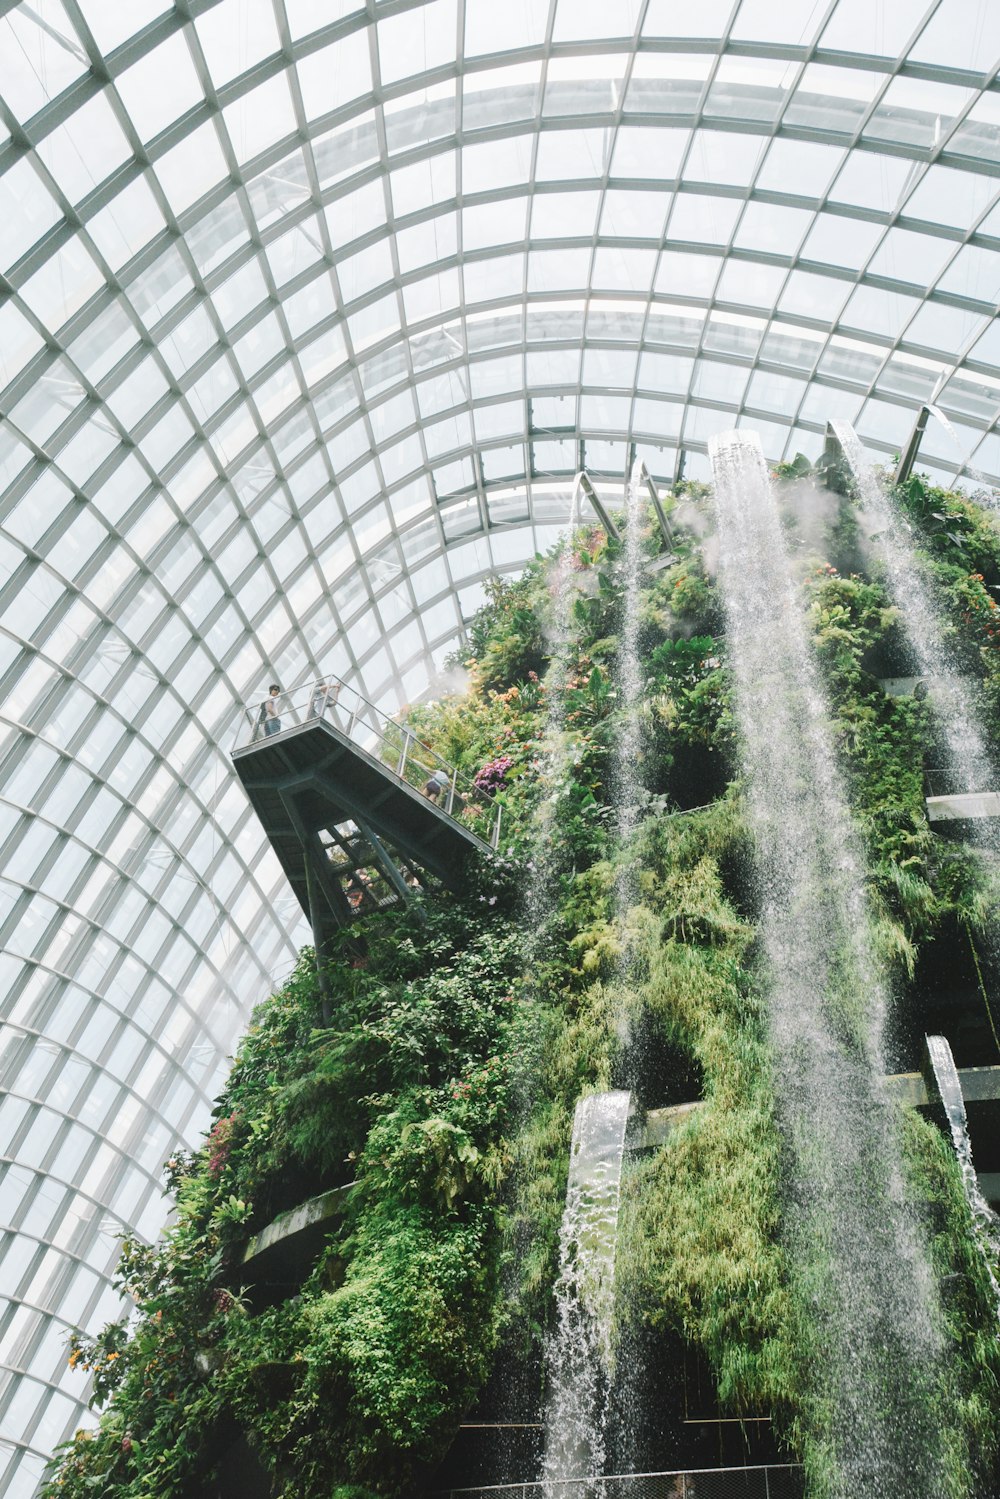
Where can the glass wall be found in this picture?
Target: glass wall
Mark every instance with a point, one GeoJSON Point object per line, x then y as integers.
{"type": "Point", "coordinates": [309, 314]}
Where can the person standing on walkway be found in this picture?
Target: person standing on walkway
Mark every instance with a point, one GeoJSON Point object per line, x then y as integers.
{"type": "Point", "coordinates": [437, 784]}
{"type": "Point", "coordinates": [317, 703]}
{"type": "Point", "coordinates": [269, 710]}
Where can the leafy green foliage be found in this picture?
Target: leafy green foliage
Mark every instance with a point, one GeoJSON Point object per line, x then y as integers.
{"type": "Point", "coordinates": [798, 467]}
{"type": "Point", "coordinates": [506, 638]}
{"type": "Point", "coordinates": [884, 741]}
{"type": "Point", "coordinates": [689, 700]}
{"type": "Point", "coordinates": [698, 1250]}
{"type": "Point", "coordinates": [405, 1092]}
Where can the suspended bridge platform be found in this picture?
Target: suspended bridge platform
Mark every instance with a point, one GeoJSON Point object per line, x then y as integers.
{"type": "Point", "coordinates": [950, 814]}
{"type": "Point", "coordinates": [979, 1085]}
{"type": "Point", "coordinates": [959, 811]}
{"type": "Point", "coordinates": [354, 805]}
{"type": "Point", "coordinates": [980, 1091]}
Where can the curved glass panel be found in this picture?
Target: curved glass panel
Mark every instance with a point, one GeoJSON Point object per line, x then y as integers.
{"type": "Point", "coordinates": [310, 313]}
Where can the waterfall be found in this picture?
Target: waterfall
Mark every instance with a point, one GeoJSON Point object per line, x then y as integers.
{"type": "Point", "coordinates": [628, 749]}
{"type": "Point", "coordinates": [578, 1354]}
{"type": "Point", "coordinates": [949, 1087]}
{"type": "Point", "coordinates": [861, 1274]}
{"type": "Point", "coordinates": [540, 904]}
{"type": "Point", "coordinates": [627, 787]}
{"type": "Point", "coordinates": [951, 694]}
{"type": "Point", "coordinates": [970, 469]}
{"type": "Point", "coordinates": [541, 891]}
{"type": "Point", "coordinates": [949, 690]}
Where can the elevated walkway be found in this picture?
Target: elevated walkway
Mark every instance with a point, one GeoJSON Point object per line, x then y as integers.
{"type": "Point", "coordinates": [287, 1247]}
{"type": "Point", "coordinates": [980, 1088]}
{"type": "Point", "coordinates": [943, 812]}
{"type": "Point", "coordinates": [275, 1263]}
{"type": "Point", "coordinates": [771, 1481]}
{"type": "Point", "coordinates": [283, 1252]}
{"type": "Point", "coordinates": [953, 811]}
{"type": "Point", "coordinates": [905, 686]}
{"type": "Point", "coordinates": [353, 803]}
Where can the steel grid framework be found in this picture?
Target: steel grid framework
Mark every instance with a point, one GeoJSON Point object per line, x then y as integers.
{"type": "Point", "coordinates": [309, 314]}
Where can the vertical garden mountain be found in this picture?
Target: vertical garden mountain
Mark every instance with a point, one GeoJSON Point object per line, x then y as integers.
{"type": "Point", "coordinates": [436, 1082]}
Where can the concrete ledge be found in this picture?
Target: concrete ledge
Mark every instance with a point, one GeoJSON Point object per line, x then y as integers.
{"type": "Point", "coordinates": [979, 1085]}
{"type": "Point", "coordinates": [659, 1123]}
{"type": "Point", "coordinates": [909, 1087]}
{"type": "Point", "coordinates": [282, 1238]}
{"type": "Point", "coordinates": [970, 806]}
{"type": "Point", "coordinates": [658, 564]}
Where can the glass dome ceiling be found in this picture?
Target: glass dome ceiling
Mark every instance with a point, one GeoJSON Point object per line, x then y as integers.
{"type": "Point", "coordinates": [309, 312]}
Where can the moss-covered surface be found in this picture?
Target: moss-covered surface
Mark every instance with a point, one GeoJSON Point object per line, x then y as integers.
{"type": "Point", "coordinates": [443, 1085]}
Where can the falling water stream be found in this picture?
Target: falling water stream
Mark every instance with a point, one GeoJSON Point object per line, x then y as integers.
{"type": "Point", "coordinates": [871, 1336]}
{"type": "Point", "coordinates": [579, 1352]}
{"type": "Point", "coordinates": [539, 904]}
{"type": "Point", "coordinates": [627, 781]}
{"type": "Point", "coordinates": [950, 691]}
{"type": "Point", "coordinates": [564, 584]}
{"type": "Point", "coordinates": [966, 467]}
{"type": "Point", "coordinates": [949, 1088]}
{"type": "Point", "coordinates": [952, 696]}
{"type": "Point", "coordinates": [627, 792]}
{"type": "Point", "coordinates": [579, 1347]}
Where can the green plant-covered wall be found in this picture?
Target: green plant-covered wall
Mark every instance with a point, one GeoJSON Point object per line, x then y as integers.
{"type": "Point", "coordinates": [441, 1084]}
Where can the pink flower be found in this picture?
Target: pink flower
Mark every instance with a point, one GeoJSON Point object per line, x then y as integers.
{"type": "Point", "coordinates": [493, 775]}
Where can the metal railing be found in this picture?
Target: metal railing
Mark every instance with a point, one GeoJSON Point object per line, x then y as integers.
{"type": "Point", "coordinates": [393, 744]}
{"type": "Point", "coordinates": [774, 1481]}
